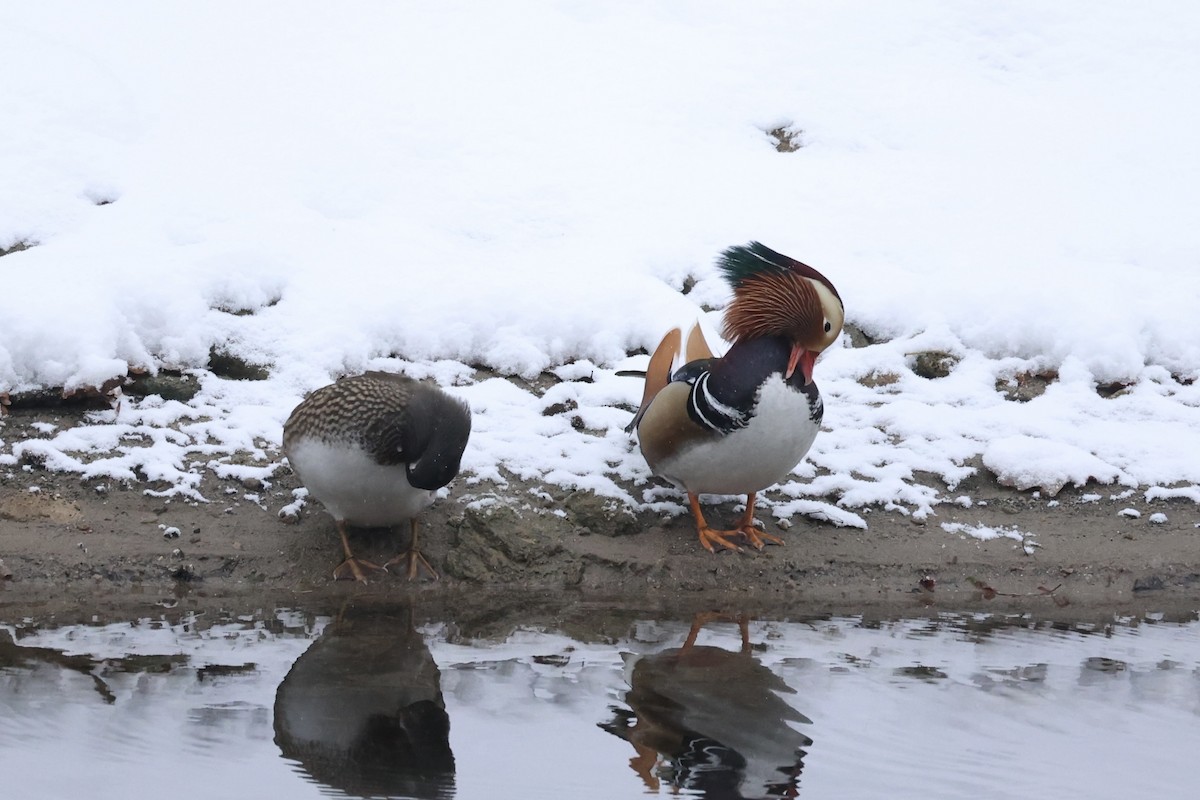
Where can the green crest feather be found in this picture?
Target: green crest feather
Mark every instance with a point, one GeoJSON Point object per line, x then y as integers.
{"type": "Point", "coordinates": [743, 262]}
{"type": "Point", "coordinates": [755, 260]}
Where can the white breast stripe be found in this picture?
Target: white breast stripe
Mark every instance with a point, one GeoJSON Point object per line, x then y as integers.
{"type": "Point", "coordinates": [731, 413]}
{"type": "Point", "coordinates": [701, 400]}
{"type": "Point", "coordinates": [695, 406]}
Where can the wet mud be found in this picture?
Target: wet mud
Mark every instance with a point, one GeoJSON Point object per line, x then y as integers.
{"type": "Point", "coordinates": [77, 546]}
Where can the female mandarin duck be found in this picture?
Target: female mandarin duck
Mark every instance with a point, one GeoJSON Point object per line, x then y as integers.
{"type": "Point", "coordinates": [740, 423]}
{"type": "Point", "coordinates": [374, 448]}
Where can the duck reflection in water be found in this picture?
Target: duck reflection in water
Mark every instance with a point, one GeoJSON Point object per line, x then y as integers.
{"type": "Point", "coordinates": [362, 710]}
{"type": "Point", "coordinates": [711, 721]}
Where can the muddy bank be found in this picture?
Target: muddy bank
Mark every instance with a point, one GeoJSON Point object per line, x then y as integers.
{"type": "Point", "coordinates": [69, 546]}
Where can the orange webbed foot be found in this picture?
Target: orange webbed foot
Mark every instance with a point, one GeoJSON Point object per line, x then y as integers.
{"type": "Point", "coordinates": [412, 556]}
{"type": "Point", "coordinates": [417, 565]}
{"type": "Point", "coordinates": [711, 539]}
{"type": "Point", "coordinates": [747, 528]}
{"type": "Point", "coordinates": [353, 568]}
{"type": "Point", "coordinates": [356, 569]}
{"type": "Point", "coordinates": [758, 539]}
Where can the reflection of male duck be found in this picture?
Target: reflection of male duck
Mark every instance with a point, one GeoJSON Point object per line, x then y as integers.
{"type": "Point", "coordinates": [362, 709]}
{"type": "Point", "coordinates": [712, 721]}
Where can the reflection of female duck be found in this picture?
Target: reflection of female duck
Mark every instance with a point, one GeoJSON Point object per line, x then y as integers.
{"type": "Point", "coordinates": [362, 709]}
{"type": "Point", "coordinates": [711, 720]}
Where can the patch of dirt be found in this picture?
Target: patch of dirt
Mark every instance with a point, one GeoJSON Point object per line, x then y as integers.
{"type": "Point", "coordinates": [75, 546]}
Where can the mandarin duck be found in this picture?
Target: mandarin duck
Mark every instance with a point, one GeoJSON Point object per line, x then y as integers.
{"type": "Point", "coordinates": [374, 448]}
{"type": "Point", "coordinates": [740, 423]}
{"type": "Point", "coordinates": [711, 721]}
{"type": "Point", "coordinates": [361, 711]}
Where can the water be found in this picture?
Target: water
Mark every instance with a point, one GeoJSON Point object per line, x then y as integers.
{"type": "Point", "coordinates": [377, 701]}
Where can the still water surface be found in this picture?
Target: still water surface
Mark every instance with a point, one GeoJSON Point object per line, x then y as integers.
{"type": "Point", "coordinates": [288, 704]}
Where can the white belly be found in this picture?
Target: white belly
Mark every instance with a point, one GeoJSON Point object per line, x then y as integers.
{"type": "Point", "coordinates": [354, 488]}
{"type": "Point", "coordinates": [754, 457]}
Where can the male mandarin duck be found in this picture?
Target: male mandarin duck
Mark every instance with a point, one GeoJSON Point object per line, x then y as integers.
{"type": "Point", "coordinates": [374, 448]}
{"type": "Point", "coordinates": [740, 423]}
{"type": "Point", "coordinates": [711, 721]}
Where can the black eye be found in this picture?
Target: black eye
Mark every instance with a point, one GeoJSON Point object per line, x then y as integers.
{"type": "Point", "coordinates": [828, 326]}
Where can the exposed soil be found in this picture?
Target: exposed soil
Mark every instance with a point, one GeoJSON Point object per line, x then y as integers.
{"type": "Point", "coordinates": [75, 549]}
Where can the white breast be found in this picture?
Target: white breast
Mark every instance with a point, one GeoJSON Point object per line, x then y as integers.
{"type": "Point", "coordinates": [353, 487]}
{"type": "Point", "coordinates": [754, 457]}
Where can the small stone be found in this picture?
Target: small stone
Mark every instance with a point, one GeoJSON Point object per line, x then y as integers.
{"type": "Point", "coordinates": [856, 336]}
{"type": "Point", "coordinates": [167, 386]}
{"type": "Point", "coordinates": [227, 365]}
{"type": "Point", "coordinates": [876, 379]}
{"type": "Point", "coordinates": [560, 408]}
{"type": "Point", "coordinates": [1152, 583]}
{"type": "Point", "coordinates": [1025, 386]}
{"type": "Point", "coordinates": [601, 515]}
{"type": "Point", "coordinates": [934, 363]}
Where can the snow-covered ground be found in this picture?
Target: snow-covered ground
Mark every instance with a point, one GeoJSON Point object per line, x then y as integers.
{"type": "Point", "coordinates": [526, 187]}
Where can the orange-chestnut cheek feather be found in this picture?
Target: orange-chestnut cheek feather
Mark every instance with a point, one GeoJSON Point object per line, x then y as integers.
{"type": "Point", "coordinates": [805, 359]}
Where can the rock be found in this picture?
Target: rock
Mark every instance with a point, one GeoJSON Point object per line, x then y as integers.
{"type": "Point", "coordinates": [168, 386]}
{"type": "Point", "coordinates": [786, 139]}
{"type": "Point", "coordinates": [16, 247]}
{"type": "Point", "coordinates": [227, 365]}
{"type": "Point", "coordinates": [1025, 386]}
{"type": "Point", "coordinates": [933, 364]}
{"type": "Point", "coordinates": [495, 543]}
{"type": "Point", "coordinates": [877, 379]}
{"type": "Point", "coordinates": [1151, 583]}
{"type": "Point", "coordinates": [856, 336]}
{"type": "Point", "coordinates": [559, 408]}
{"type": "Point", "coordinates": [602, 515]}
{"type": "Point", "coordinates": [1115, 389]}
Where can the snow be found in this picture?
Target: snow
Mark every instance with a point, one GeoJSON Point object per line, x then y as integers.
{"type": "Point", "coordinates": [986, 533]}
{"type": "Point", "coordinates": [528, 188]}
